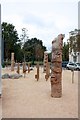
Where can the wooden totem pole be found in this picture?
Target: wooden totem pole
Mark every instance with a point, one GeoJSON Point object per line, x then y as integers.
{"type": "Point", "coordinates": [47, 71]}
{"type": "Point", "coordinates": [28, 67]}
{"type": "Point", "coordinates": [56, 70]}
{"type": "Point", "coordinates": [37, 75]}
{"type": "Point", "coordinates": [12, 61]}
{"type": "Point", "coordinates": [45, 61]}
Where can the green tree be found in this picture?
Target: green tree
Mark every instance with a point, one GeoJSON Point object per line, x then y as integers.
{"type": "Point", "coordinates": [11, 40]}
{"type": "Point", "coordinates": [39, 52]}
{"type": "Point", "coordinates": [65, 52]}
{"type": "Point", "coordinates": [18, 53]}
{"type": "Point", "coordinates": [24, 38]}
{"type": "Point", "coordinates": [34, 49]}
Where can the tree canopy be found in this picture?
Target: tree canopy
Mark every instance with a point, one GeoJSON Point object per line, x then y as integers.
{"type": "Point", "coordinates": [11, 39]}
{"type": "Point", "coordinates": [32, 48]}
{"type": "Point", "coordinates": [65, 52]}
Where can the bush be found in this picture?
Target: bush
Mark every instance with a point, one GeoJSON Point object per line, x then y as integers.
{"type": "Point", "coordinates": [7, 63]}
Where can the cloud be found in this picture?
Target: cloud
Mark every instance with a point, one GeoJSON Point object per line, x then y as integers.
{"type": "Point", "coordinates": [44, 19]}
{"type": "Point", "coordinates": [33, 20]}
{"type": "Point", "coordinates": [37, 1]}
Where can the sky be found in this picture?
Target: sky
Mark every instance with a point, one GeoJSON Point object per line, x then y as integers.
{"type": "Point", "coordinates": [44, 19]}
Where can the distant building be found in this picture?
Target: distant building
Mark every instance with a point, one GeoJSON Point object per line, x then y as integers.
{"type": "Point", "coordinates": [79, 15]}
{"type": "Point", "coordinates": [74, 56]}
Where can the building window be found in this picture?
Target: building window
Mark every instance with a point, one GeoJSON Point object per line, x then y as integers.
{"type": "Point", "coordinates": [74, 58]}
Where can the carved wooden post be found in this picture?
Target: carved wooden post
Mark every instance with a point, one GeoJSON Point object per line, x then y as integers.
{"type": "Point", "coordinates": [18, 69]}
{"type": "Point", "coordinates": [37, 75]}
{"type": "Point", "coordinates": [45, 61]}
{"type": "Point", "coordinates": [24, 68]}
{"type": "Point", "coordinates": [12, 61]}
{"type": "Point", "coordinates": [47, 71]}
{"type": "Point", "coordinates": [28, 67]}
{"type": "Point", "coordinates": [56, 70]}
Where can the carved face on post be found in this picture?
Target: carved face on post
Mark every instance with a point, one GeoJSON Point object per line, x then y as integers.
{"type": "Point", "coordinates": [58, 42]}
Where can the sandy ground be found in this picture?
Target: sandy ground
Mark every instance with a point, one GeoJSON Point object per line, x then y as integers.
{"type": "Point", "coordinates": [29, 98]}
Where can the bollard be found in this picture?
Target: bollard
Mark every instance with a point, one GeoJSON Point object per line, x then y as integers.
{"type": "Point", "coordinates": [72, 76]}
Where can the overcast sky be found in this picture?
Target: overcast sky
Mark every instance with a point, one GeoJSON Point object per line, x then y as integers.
{"type": "Point", "coordinates": [44, 19]}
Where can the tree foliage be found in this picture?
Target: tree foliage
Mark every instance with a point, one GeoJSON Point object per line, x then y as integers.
{"type": "Point", "coordinates": [11, 40]}
{"type": "Point", "coordinates": [65, 52]}
{"type": "Point", "coordinates": [34, 49]}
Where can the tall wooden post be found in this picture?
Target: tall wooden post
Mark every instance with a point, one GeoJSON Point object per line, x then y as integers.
{"type": "Point", "coordinates": [56, 70]}
{"type": "Point", "coordinates": [47, 71]}
{"type": "Point", "coordinates": [37, 75]}
{"type": "Point", "coordinates": [12, 61]}
{"type": "Point", "coordinates": [45, 61]}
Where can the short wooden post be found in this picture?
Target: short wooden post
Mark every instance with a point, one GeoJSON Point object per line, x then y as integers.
{"type": "Point", "coordinates": [28, 67]}
{"type": "Point", "coordinates": [37, 75]}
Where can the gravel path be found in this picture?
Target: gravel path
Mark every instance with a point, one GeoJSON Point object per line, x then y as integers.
{"type": "Point", "coordinates": [29, 98]}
